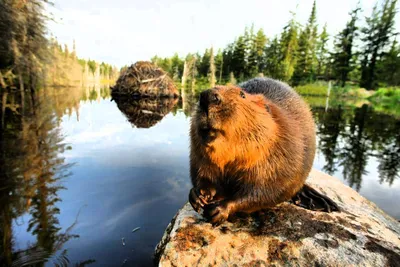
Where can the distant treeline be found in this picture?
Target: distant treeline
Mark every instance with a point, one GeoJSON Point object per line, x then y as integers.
{"type": "Point", "coordinates": [65, 68]}
{"type": "Point", "coordinates": [365, 53]}
{"type": "Point", "coordinates": [28, 59]}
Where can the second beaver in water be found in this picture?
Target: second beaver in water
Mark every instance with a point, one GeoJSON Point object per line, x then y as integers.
{"type": "Point", "coordinates": [252, 147]}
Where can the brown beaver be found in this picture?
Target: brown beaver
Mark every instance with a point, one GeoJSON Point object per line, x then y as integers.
{"type": "Point", "coordinates": [252, 147]}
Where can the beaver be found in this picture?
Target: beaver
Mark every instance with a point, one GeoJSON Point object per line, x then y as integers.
{"type": "Point", "coordinates": [252, 147]}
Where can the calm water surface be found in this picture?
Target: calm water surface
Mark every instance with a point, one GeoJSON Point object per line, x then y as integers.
{"type": "Point", "coordinates": [79, 172]}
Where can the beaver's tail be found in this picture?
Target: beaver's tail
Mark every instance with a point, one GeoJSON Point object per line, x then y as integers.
{"type": "Point", "coordinates": [311, 199]}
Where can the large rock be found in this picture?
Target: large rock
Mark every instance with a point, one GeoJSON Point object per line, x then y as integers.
{"type": "Point", "coordinates": [287, 235]}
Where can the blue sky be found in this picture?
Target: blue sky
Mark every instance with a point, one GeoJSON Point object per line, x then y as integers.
{"type": "Point", "coordinates": [121, 32]}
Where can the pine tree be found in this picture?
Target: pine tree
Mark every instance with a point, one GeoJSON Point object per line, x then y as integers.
{"type": "Point", "coordinates": [256, 56]}
{"type": "Point", "coordinates": [176, 67]}
{"type": "Point", "coordinates": [306, 63]}
{"type": "Point", "coordinates": [322, 53]}
{"type": "Point", "coordinates": [376, 35]}
{"type": "Point", "coordinates": [204, 64]}
{"type": "Point", "coordinates": [343, 56]}
{"type": "Point", "coordinates": [238, 64]}
{"type": "Point", "coordinates": [272, 53]}
{"type": "Point", "coordinates": [252, 66]}
{"type": "Point", "coordinates": [260, 43]}
{"type": "Point", "coordinates": [227, 56]}
{"type": "Point", "coordinates": [219, 64]}
{"type": "Point", "coordinates": [389, 67]}
{"type": "Point", "coordinates": [289, 46]}
{"type": "Point", "coordinates": [164, 63]}
{"type": "Point", "coordinates": [23, 44]}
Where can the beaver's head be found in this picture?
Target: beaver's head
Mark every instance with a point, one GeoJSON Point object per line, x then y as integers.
{"type": "Point", "coordinates": [228, 111]}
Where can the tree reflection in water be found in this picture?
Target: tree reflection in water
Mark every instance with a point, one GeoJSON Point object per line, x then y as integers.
{"type": "Point", "coordinates": [349, 137]}
{"type": "Point", "coordinates": [32, 170]}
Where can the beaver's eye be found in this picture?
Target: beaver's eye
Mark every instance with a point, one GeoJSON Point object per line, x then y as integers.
{"type": "Point", "coordinates": [242, 95]}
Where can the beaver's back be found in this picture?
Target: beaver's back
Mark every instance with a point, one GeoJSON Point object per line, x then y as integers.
{"type": "Point", "coordinates": [286, 98]}
{"type": "Point", "coordinates": [281, 94]}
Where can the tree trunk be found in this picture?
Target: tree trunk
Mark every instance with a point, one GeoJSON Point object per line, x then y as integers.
{"type": "Point", "coordinates": [184, 75]}
{"type": "Point", "coordinates": [220, 71]}
{"type": "Point", "coordinates": [343, 80]}
{"type": "Point", "coordinates": [22, 90]}
{"type": "Point", "coordinates": [371, 75]}
{"type": "Point", "coordinates": [212, 69]}
{"type": "Point", "coordinates": [2, 82]}
{"type": "Point", "coordinates": [194, 71]}
{"type": "Point", "coordinates": [184, 78]}
{"type": "Point", "coordinates": [3, 110]}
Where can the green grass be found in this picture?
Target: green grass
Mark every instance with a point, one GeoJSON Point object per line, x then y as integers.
{"type": "Point", "coordinates": [321, 101]}
{"type": "Point", "coordinates": [314, 89]}
{"type": "Point", "coordinates": [315, 101]}
{"type": "Point", "coordinates": [321, 89]}
{"type": "Point", "coordinates": [387, 100]}
{"type": "Point", "coordinates": [389, 106]}
{"type": "Point", "coordinates": [389, 95]}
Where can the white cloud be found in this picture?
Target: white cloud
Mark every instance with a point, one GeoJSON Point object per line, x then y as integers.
{"type": "Point", "coordinates": [122, 32]}
{"type": "Point", "coordinates": [95, 136]}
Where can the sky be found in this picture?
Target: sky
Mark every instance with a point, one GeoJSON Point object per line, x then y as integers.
{"type": "Point", "coordinates": [121, 32]}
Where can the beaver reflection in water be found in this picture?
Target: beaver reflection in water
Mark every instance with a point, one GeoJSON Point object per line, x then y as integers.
{"type": "Point", "coordinates": [252, 147]}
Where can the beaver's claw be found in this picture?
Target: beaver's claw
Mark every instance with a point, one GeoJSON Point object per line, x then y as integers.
{"type": "Point", "coordinates": [196, 200]}
{"type": "Point", "coordinates": [217, 212]}
{"type": "Point", "coordinates": [199, 198]}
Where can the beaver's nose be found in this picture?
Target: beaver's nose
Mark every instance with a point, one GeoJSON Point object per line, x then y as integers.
{"type": "Point", "coordinates": [209, 97]}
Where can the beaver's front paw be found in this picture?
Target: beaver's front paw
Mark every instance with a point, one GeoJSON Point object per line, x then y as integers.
{"type": "Point", "coordinates": [207, 195]}
{"type": "Point", "coordinates": [200, 197]}
{"type": "Point", "coordinates": [195, 200]}
{"type": "Point", "coordinates": [217, 212]}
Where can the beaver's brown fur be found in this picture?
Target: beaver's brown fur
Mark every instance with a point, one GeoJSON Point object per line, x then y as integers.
{"type": "Point", "coordinates": [252, 147]}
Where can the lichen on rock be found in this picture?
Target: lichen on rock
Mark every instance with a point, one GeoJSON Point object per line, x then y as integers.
{"type": "Point", "coordinates": [287, 235]}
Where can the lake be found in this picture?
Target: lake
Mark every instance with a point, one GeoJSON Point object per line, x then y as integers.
{"type": "Point", "coordinates": [80, 172]}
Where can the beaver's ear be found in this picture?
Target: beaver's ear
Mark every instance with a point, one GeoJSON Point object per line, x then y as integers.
{"type": "Point", "coordinates": [267, 108]}
{"type": "Point", "coordinates": [259, 100]}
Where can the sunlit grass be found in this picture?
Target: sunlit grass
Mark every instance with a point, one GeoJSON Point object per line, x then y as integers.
{"type": "Point", "coordinates": [390, 94]}
{"type": "Point", "coordinates": [314, 89]}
